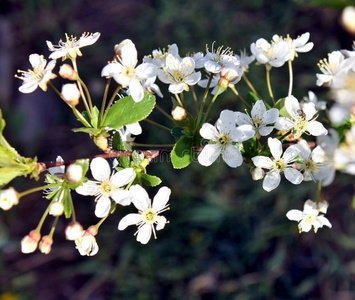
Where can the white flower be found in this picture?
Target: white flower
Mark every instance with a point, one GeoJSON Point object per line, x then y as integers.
{"type": "Point", "coordinates": [58, 174]}
{"type": "Point", "coordinates": [158, 56]}
{"type": "Point", "coordinates": [148, 212]}
{"type": "Point", "coordinates": [336, 64]}
{"type": "Point", "coordinates": [259, 119]}
{"type": "Point", "coordinates": [71, 47]}
{"type": "Point", "coordinates": [299, 45]}
{"type": "Point", "coordinates": [310, 216]}
{"type": "Point", "coordinates": [179, 74]}
{"type": "Point", "coordinates": [8, 198]}
{"type": "Point", "coordinates": [124, 69]}
{"type": "Point", "coordinates": [244, 59]}
{"type": "Point", "coordinates": [312, 163]}
{"type": "Point", "coordinates": [273, 54]}
{"type": "Point", "coordinates": [302, 119]}
{"type": "Point", "coordinates": [126, 137]}
{"type": "Point", "coordinates": [86, 243]}
{"type": "Point", "coordinates": [344, 156]}
{"type": "Point", "coordinates": [38, 76]}
{"type": "Point", "coordinates": [280, 163]}
{"type": "Point", "coordinates": [107, 186]}
{"type": "Point", "coordinates": [222, 138]}
{"type": "Point", "coordinates": [320, 105]}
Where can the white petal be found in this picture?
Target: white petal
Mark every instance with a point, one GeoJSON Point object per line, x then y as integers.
{"type": "Point", "coordinates": [130, 219]}
{"type": "Point", "coordinates": [232, 156]}
{"type": "Point", "coordinates": [122, 197]}
{"type": "Point", "coordinates": [293, 175]}
{"type": "Point", "coordinates": [305, 226]}
{"type": "Point", "coordinates": [89, 188]}
{"type": "Point", "coordinates": [292, 106]}
{"type": "Point", "coordinates": [136, 90]}
{"type": "Point", "coordinates": [275, 147]}
{"type": "Point", "coordinates": [144, 234]}
{"type": "Point", "coordinates": [242, 133]}
{"type": "Point", "coordinates": [263, 162]}
{"type": "Point", "coordinates": [290, 153]}
{"type": "Point", "coordinates": [209, 132]}
{"type": "Point", "coordinates": [123, 177]}
{"type": "Point", "coordinates": [283, 123]}
{"type": "Point", "coordinates": [323, 221]}
{"type": "Point", "coordinates": [161, 221]}
{"type": "Point", "coordinates": [271, 181]}
{"type": "Point", "coordinates": [161, 198]}
{"type": "Point", "coordinates": [265, 131]}
{"type": "Point", "coordinates": [258, 109]}
{"type": "Point", "coordinates": [176, 88]}
{"type": "Point", "coordinates": [309, 109]}
{"type": "Point", "coordinates": [316, 128]}
{"type": "Point", "coordinates": [271, 115]}
{"type": "Point", "coordinates": [100, 169]}
{"type": "Point", "coordinates": [146, 70]}
{"type": "Point", "coordinates": [310, 208]}
{"type": "Point", "coordinates": [193, 78]}
{"type": "Point", "coordinates": [28, 87]}
{"type": "Point", "coordinates": [103, 207]}
{"type": "Point", "coordinates": [242, 119]}
{"type": "Point", "coordinates": [57, 170]}
{"type": "Point", "coordinates": [209, 154]}
{"type": "Point", "coordinates": [305, 151]}
{"type": "Point", "coordinates": [141, 198]}
{"type": "Point", "coordinates": [135, 128]}
{"type": "Point", "coordinates": [89, 40]}
{"type": "Point", "coordinates": [295, 215]}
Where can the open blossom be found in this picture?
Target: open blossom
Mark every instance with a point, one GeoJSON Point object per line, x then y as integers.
{"type": "Point", "coordinates": [303, 119]}
{"type": "Point", "coordinates": [312, 162]}
{"type": "Point", "coordinates": [71, 47]}
{"type": "Point", "coordinates": [106, 186]}
{"type": "Point", "coordinates": [280, 163]}
{"type": "Point", "coordinates": [300, 44]}
{"type": "Point", "coordinates": [179, 74]}
{"type": "Point", "coordinates": [244, 59]}
{"type": "Point", "coordinates": [8, 198]}
{"type": "Point", "coordinates": [148, 212]}
{"type": "Point", "coordinates": [312, 215]}
{"type": "Point", "coordinates": [320, 105]}
{"type": "Point", "coordinates": [273, 54]}
{"type": "Point", "coordinates": [222, 139]}
{"type": "Point", "coordinates": [344, 156]}
{"type": "Point", "coordinates": [86, 243]}
{"type": "Point", "coordinates": [260, 118]}
{"type": "Point", "coordinates": [158, 56]}
{"type": "Point", "coordinates": [124, 69]}
{"type": "Point", "coordinates": [39, 76]}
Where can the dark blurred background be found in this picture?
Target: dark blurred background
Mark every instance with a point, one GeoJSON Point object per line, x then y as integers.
{"type": "Point", "coordinates": [227, 237]}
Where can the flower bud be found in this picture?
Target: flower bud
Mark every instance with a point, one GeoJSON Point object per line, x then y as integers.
{"type": "Point", "coordinates": [29, 242]}
{"type": "Point", "coordinates": [86, 244]}
{"type": "Point", "coordinates": [45, 245]}
{"type": "Point", "coordinates": [348, 19]}
{"type": "Point", "coordinates": [56, 209]}
{"type": "Point", "coordinates": [74, 173]}
{"type": "Point", "coordinates": [8, 198]}
{"type": "Point", "coordinates": [70, 94]}
{"type": "Point", "coordinates": [101, 142]}
{"type": "Point", "coordinates": [73, 231]}
{"type": "Point", "coordinates": [179, 113]}
{"type": "Point", "coordinates": [67, 72]}
{"type": "Point", "coordinates": [257, 173]}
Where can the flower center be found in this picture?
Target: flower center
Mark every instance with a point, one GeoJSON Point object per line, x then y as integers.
{"type": "Point", "coordinates": [279, 165]}
{"type": "Point", "coordinates": [106, 188]}
{"type": "Point", "coordinates": [311, 165]}
{"type": "Point", "coordinates": [311, 219]}
{"type": "Point", "coordinates": [130, 72]}
{"type": "Point", "coordinates": [150, 216]}
{"type": "Point", "coordinates": [224, 140]}
{"type": "Point", "coordinates": [300, 126]}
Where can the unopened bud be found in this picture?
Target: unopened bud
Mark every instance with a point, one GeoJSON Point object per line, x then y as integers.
{"type": "Point", "coordinates": [56, 209]}
{"type": "Point", "coordinates": [179, 113]}
{"type": "Point", "coordinates": [73, 231]}
{"type": "Point", "coordinates": [67, 72]}
{"type": "Point", "coordinates": [101, 142]}
{"type": "Point", "coordinates": [71, 94]}
{"type": "Point", "coordinates": [223, 83]}
{"type": "Point", "coordinates": [30, 242]}
{"type": "Point", "coordinates": [45, 245]}
{"type": "Point", "coordinates": [257, 173]}
{"type": "Point", "coordinates": [348, 19]}
{"type": "Point", "coordinates": [8, 198]}
{"type": "Point", "coordinates": [74, 173]}
{"type": "Point", "coordinates": [92, 230]}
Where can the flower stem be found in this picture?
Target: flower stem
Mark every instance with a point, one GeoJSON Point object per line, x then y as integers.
{"type": "Point", "coordinates": [152, 145]}
{"type": "Point", "coordinates": [157, 124]}
{"type": "Point", "coordinates": [105, 97]}
{"type": "Point", "coordinates": [37, 189]}
{"type": "Point", "coordinates": [232, 87]}
{"type": "Point", "coordinates": [164, 112]}
{"type": "Point", "coordinates": [211, 104]}
{"type": "Point", "coordinates": [291, 77]}
{"type": "Point", "coordinates": [269, 84]}
{"type": "Point", "coordinates": [250, 85]}
{"type": "Point", "coordinates": [53, 227]}
{"type": "Point", "coordinates": [43, 218]}
{"type": "Point", "coordinates": [110, 102]}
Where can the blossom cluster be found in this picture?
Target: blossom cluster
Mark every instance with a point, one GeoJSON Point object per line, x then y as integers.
{"type": "Point", "coordinates": [273, 137]}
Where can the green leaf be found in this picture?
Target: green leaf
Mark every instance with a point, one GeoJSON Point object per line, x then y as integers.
{"type": "Point", "coordinates": [126, 111]}
{"type": "Point", "coordinates": [118, 145]}
{"type": "Point", "coordinates": [8, 174]}
{"type": "Point", "coordinates": [67, 203]}
{"type": "Point", "coordinates": [280, 105]}
{"type": "Point", "coordinates": [182, 153]}
{"type": "Point", "coordinates": [137, 157]}
{"type": "Point", "coordinates": [95, 117]}
{"type": "Point", "coordinates": [149, 180]}
{"type": "Point", "coordinates": [91, 131]}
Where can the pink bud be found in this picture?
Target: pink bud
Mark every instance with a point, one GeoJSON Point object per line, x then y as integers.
{"type": "Point", "coordinates": [73, 231]}
{"type": "Point", "coordinates": [67, 72]}
{"type": "Point", "coordinates": [56, 209]}
{"type": "Point", "coordinates": [71, 94]}
{"type": "Point", "coordinates": [45, 245]}
{"type": "Point", "coordinates": [29, 242]}
{"type": "Point", "coordinates": [74, 173]}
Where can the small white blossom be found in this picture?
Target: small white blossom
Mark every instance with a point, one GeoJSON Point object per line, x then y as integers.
{"type": "Point", "coordinates": [303, 119]}
{"type": "Point", "coordinates": [71, 47]}
{"type": "Point", "coordinates": [300, 44]}
{"type": "Point", "coordinates": [107, 186]}
{"type": "Point", "coordinates": [280, 163]}
{"type": "Point", "coordinates": [124, 69]}
{"type": "Point", "coordinates": [310, 216]}
{"type": "Point", "coordinates": [86, 243]}
{"type": "Point", "coordinates": [320, 105]}
{"type": "Point", "coordinates": [335, 65]}
{"type": "Point", "coordinates": [70, 93]}
{"type": "Point", "coordinates": [39, 76]}
{"type": "Point", "coordinates": [148, 212]}
{"type": "Point", "coordinates": [344, 156]}
{"type": "Point", "coordinates": [260, 118]}
{"type": "Point", "coordinates": [179, 74]}
{"type": "Point", "coordinates": [244, 59]}
{"type": "Point", "coordinates": [158, 56]}
{"type": "Point", "coordinates": [222, 139]}
{"type": "Point", "coordinates": [8, 198]}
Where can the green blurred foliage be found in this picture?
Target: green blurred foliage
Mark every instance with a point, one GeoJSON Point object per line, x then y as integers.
{"type": "Point", "coordinates": [227, 238]}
